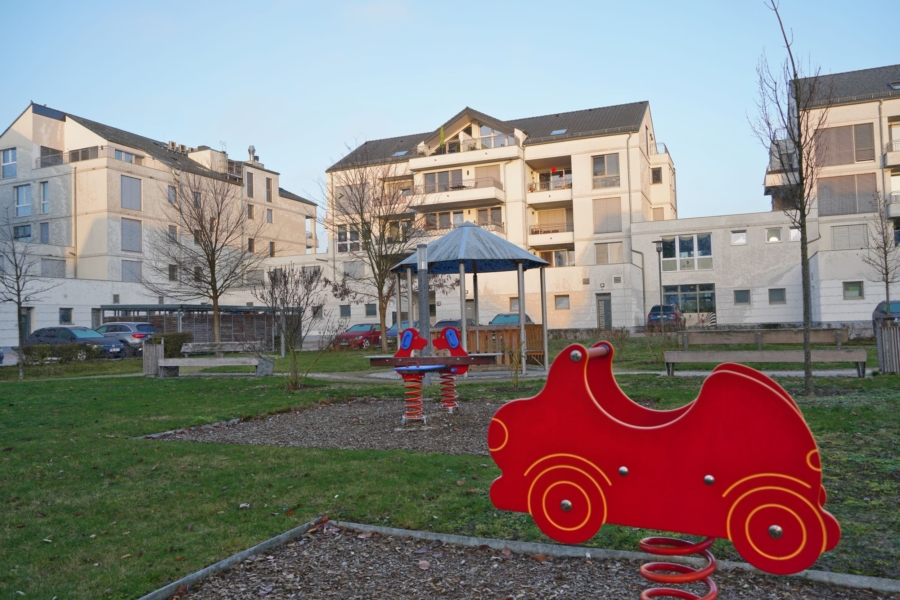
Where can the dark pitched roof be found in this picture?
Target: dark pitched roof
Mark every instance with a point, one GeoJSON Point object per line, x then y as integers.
{"type": "Point", "coordinates": [292, 196]}
{"type": "Point", "coordinates": [858, 86]}
{"type": "Point", "coordinates": [608, 120]}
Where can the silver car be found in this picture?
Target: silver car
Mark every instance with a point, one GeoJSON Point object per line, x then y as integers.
{"type": "Point", "coordinates": [132, 335]}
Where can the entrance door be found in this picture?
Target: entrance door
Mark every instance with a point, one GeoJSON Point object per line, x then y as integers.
{"type": "Point", "coordinates": [604, 311]}
{"type": "Point", "coordinates": [95, 318]}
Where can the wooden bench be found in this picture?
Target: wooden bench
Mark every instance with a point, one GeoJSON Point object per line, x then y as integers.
{"type": "Point", "coordinates": [169, 367]}
{"type": "Point", "coordinates": [761, 337]}
{"type": "Point", "coordinates": [672, 357]}
{"type": "Point", "coordinates": [216, 347]}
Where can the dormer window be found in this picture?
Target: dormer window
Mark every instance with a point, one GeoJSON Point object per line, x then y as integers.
{"type": "Point", "coordinates": [401, 153]}
{"type": "Point", "coordinates": [558, 131]}
{"type": "Point", "coordinates": [492, 138]}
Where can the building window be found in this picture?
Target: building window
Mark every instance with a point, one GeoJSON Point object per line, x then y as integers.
{"type": "Point", "coordinates": [268, 215]}
{"type": "Point", "coordinates": [198, 274]}
{"type": "Point", "coordinates": [249, 211]}
{"type": "Point", "coordinates": [196, 237]}
{"type": "Point", "coordinates": [659, 214]}
{"type": "Point", "coordinates": [848, 195]}
{"type": "Point", "coordinates": [558, 258]}
{"type": "Point", "coordinates": [45, 197]}
{"type": "Point", "coordinates": [131, 235]}
{"type": "Point", "coordinates": [607, 215]}
{"type": "Point", "coordinates": [53, 268]}
{"type": "Point", "coordinates": [849, 237]}
{"type": "Point", "coordinates": [354, 269]}
{"type": "Point", "coordinates": [739, 238]}
{"type": "Point", "coordinates": [173, 272]}
{"type": "Point", "coordinates": [172, 194]}
{"type": "Point", "coordinates": [83, 154]}
{"type": "Point", "coordinates": [345, 311]}
{"type": "Point", "coordinates": [23, 201]}
{"type": "Point", "coordinates": [554, 179]}
{"type": "Point", "coordinates": [251, 245]}
{"type": "Point", "coordinates": [249, 184]}
{"type": "Point", "coordinates": [318, 311]}
{"type": "Point", "coordinates": [115, 298]}
{"type": "Point", "coordinates": [271, 248]}
{"type": "Point", "coordinates": [22, 233]}
{"type": "Point", "coordinates": [846, 145]}
{"type": "Point", "coordinates": [489, 216]}
{"type": "Point", "coordinates": [131, 271]}
{"type": "Point", "coordinates": [606, 171]}
{"type": "Point", "coordinates": [348, 238]}
{"type": "Point", "coordinates": [773, 235]}
{"type": "Point", "coordinates": [131, 193]}
{"type": "Point", "coordinates": [371, 310]}
{"type": "Point", "coordinates": [8, 163]}
{"type": "Point", "coordinates": [65, 316]}
{"type": "Point", "coordinates": [656, 175]}
{"type": "Point", "coordinates": [794, 234]}
{"type": "Point", "coordinates": [493, 138]}
{"type": "Point", "coordinates": [45, 233]}
{"type": "Point", "coordinates": [742, 296]}
{"type": "Point", "coordinates": [513, 305]}
{"type": "Point", "coordinates": [562, 302]}
{"type": "Point", "coordinates": [197, 199]}
{"type": "Point", "coordinates": [608, 254]}
{"type": "Point", "coordinates": [443, 181]}
{"type": "Point", "coordinates": [268, 189]}
{"type": "Point", "coordinates": [558, 131]}
{"type": "Point", "coordinates": [853, 290]}
{"type": "Point", "coordinates": [173, 233]}
{"type": "Point", "coordinates": [127, 157]}
{"type": "Point", "coordinates": [777, 296]}
{"type": "Point", "coordinates": [687, 253]}
{"type": "Point", "coordinates": [692, 298]}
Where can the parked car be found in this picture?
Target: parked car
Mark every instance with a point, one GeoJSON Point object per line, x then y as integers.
{"type": "Point", "coordinates": [880, 312]}
{"type": "Point", "coordinates": [509, 319]}
{"type": "Point", "coordinates": [452, 323]}
{"type": "Point", "coordinates": [58, 336]}
{"type": "Point", "coordinates": [665, 314]}
{"type": "Point", "coordinates": [391, 333]}
{"type": "Point", "coordinates": [132, 335]}
{"type": "Point", "coordinates": [361, 335]}
{"type": "Point", "coordinates": [1, 356]}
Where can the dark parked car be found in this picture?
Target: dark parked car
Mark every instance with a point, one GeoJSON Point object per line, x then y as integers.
{"type": "Point", "coordinates": [452, 323]}
{"type": "Point", "coordinates": [361, 335]}
{"type": "Point", "coordinates": [880, 312]}
{"type": "Point", "coordinates": [509, 319]}
{"type": "Point", "coordinates": [132, 335]}
{"type": "Point", "coordinates": [57, 336]}
{"type": "Point", "coordinates": [391, 333]}
{"type": "Point", "coordinates": [665, 314]}
{"type": "Point", "coordinates": [1, 356]}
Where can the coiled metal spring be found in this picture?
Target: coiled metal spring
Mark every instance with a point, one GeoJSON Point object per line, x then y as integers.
{"type": "Point", "coordinates": [684, 574]}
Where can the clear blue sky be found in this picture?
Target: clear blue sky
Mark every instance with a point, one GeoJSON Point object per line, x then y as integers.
{"type": "Point", "coordinates": [302, 80]}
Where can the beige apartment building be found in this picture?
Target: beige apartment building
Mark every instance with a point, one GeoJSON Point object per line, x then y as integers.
{"type": "Point", "coordinates": [88, 196]}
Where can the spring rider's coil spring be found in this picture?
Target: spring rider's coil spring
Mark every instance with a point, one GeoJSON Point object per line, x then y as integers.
{"type": "Point", "coordinates": [448, 391]}
{"type": "Point", "coordinates": [685, 574]}
{"type": "Point", "coordinates": [413, 385]}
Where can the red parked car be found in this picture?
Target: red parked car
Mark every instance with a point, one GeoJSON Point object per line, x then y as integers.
{"type": "Point", "coordinates": [361, 335]}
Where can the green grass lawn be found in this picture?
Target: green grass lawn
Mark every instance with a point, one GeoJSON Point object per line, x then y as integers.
{"type": "Point", "coordinates": [86, 509]}
{"type": "Point", "coordinates": [74, 369]}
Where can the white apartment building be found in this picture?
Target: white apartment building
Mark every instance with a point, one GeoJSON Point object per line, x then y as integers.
{"type": "Point", "coordinates": [87, 196]}
{"type": "Point", "coordinates": [590, 191]}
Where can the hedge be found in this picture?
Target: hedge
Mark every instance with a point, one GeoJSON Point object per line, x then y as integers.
{"type": "Point", "coordinates": [174, 342]}
{"type": "Point", "coordinates": [36, 354]}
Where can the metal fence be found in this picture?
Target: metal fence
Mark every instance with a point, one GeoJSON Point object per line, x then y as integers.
{"type": "Point", "coordinates": [887, 337]}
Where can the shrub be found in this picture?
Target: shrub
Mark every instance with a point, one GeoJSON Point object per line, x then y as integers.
{"type": "Point", "coordinates": [77, 352]}
{"type": "Point", "coordinates": [36, 354]}
{"type": "Point", "coordinates": [174, 342]}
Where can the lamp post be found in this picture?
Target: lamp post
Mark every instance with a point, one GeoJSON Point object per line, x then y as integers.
{"type": "Point", "coordinates": [662, 321]}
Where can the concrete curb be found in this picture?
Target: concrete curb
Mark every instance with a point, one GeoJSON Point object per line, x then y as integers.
{"type": "Point", "coordinates": [879, 584]}
{"type": "Point", "coordinates": [166, 592]}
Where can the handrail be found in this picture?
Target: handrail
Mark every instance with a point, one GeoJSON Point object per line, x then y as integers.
{"type": "Point", "coordinates": [892, 146]}
{"type": "Point", "coordinates": [555, 183]}
{"type": "Point", "coordinates": [658, 148]}
{"type": "Point", "coordinates": [607, 181]}
{"type": "Point", "coordinates": [470, 145]}
{"type": "Point", "coordinates": [92, 152]}
{"type": "Point", "coordinates": [463, 184]}
{"type": "Point", "coordinates": [551, 228]}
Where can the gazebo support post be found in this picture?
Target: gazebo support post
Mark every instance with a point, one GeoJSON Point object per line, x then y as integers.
{"type": "Point", "coordinates": [399, 319]}
{"type": "Point", "coordinates": [475, 296]}
{"type": "Point", "coordinates": [523, 346]}
{"type": "Point", "coordinates": [544, 318]}
{"type": "Point", "coordinates": [424, 312]}
{"type": "Point", "coordinates": [409, 297]}
{"type": "Point", "coordinates": [462, 306]}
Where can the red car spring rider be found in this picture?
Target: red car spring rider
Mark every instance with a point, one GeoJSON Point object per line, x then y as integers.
{"type": "Point", "coordinates": [738, 463]}
{"type": "Point", "coordinates": [413, 373]}
{"type": "Point", "coordinates": [448, 339]}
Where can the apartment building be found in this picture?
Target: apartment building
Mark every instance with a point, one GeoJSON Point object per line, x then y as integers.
{"type": "Point", "coordinates": [88, 196]}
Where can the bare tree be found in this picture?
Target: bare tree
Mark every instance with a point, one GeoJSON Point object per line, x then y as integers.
{"type": "Point", "coordinates": [375, 218]}
{"type": "Point", "coordinates": [792, 108]}
{"type": "Point", "coordinates": [20, 283]}
{"type": "Point", "coordinates": [209, 245]}
{"type": "Point", "coordinates": [296, 296]}
{"type": "Point", "coordinates": [883, 255]}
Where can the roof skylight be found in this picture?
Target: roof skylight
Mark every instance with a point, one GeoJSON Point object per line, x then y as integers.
{"type": "Point", "coordinates": [558, 131]}
{"type": "Point", "coordinates": [400, 152]}
{"type": "Point", "coordinates": [895, 85]}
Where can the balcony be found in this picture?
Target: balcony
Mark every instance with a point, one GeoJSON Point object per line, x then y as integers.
{"type": "Point", "coordinates": [892, 154]}
{"type": "Point", "coordinates": [470, 151]}
{"type": "Point", "coordinates": [83, 154]}
{"type": "Point", "coordinates": [609, 181]}
{"type": "Point", "coordinates": [494, 226]}
{"type": "Point", "coordinates": [894, 206]}
{"type": "Point", "coordinates": [658, 148]}
{"type": "Point", "coordinates": [550, 192]}
{"type": "Point", "coordinates": [551, 234]}
{"type": "Point", "coordinates": [463, 193]}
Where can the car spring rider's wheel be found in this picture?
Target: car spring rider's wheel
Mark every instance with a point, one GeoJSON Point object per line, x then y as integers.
{"type": "Point", "coordinates": [776, 530]}
{"type": "Point", "coordinates": [567, 503]}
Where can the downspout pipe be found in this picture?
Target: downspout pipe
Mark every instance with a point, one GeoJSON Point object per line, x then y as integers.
{"type": "Point", "coordinates": [75, 216]}
{"type": "Point", "coordinates": [643, 284]}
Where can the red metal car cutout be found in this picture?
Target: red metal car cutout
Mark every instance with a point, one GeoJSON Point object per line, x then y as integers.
{"type": "Point", "coordinates": [739, 462]}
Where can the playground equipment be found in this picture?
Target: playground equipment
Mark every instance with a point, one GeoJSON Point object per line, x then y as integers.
{"type": "Point", "coordinates": [448, 339]}
{"type": "Point", "coordinates": [738, 463]}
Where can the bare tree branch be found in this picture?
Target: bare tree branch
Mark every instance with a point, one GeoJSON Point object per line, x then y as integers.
{"type": "Point", "coordinates": [883, 254]}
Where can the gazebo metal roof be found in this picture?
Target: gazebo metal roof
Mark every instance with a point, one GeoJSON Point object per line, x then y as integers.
{"type": "Point", "coordinates": [479, 251]}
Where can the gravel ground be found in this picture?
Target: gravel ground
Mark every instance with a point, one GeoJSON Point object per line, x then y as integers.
{"type": "Point", "coordinates": [363, 423]}
{"type": "Point", "coordinates": [334, 563]}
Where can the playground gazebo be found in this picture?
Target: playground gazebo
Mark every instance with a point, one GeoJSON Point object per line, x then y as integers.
{"type": "Point", "coordinates": [470, 249]}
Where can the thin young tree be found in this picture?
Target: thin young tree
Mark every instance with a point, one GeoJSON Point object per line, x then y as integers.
{"type": "Point", "coordinates": [792, 108]}
{"type": "Point", "coordinates": [374, 217]}
{"type": "Point", "coordinates": [296, 296]}
{"type": "Point", "coordinates": [20, 281]}
{"type": "Point", "coordinates": [883, 254]}
{"type": "Point", "coordinates": [207, 244]}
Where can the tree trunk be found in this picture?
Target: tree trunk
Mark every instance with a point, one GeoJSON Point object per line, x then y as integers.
{"type": "Point", "coordinates": [216, 337]}
{"type": "Point", "coordinates": [382, 308]}
{"type": "Point", "coordinates": [294, 377]}
{"type": "Point", "coordinates": [20, 353]}
{"type": "Point", "coordinates": [807, 305]}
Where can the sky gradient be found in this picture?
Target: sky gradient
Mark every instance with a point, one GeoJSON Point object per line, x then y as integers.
{"type": "Point", "coordinates": [302, 81]}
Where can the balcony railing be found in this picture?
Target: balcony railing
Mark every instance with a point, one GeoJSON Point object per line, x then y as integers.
{"type": "Point", "coordinates": [895, 197]}
{"type": "Point", "coordinates": [486, 225]}
{"type": "Point", "coordinates": [471, 145]}
{"type": "Point", "coordinates": [607, 182]}
{"type": "Point", "coordinates": [463, 184]}
{"type": "Point", "coordinates": [552, 228]}
{"type": "Point", "coordinates": [658, 148]}
{"type": "Point", "coordinates": [82, 154]}
{"type": "Point", "coordinates": [556, 183]}
{"type": "Point", "coordinates": [892, 146]}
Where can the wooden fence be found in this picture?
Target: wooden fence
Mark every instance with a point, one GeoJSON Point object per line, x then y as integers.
{"type": "Point", "coordinates": [486, 339]}
{"type": "Point", "coordinates": [887, 337]}
{"type": "Point", "coordinates": [152, 354]}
